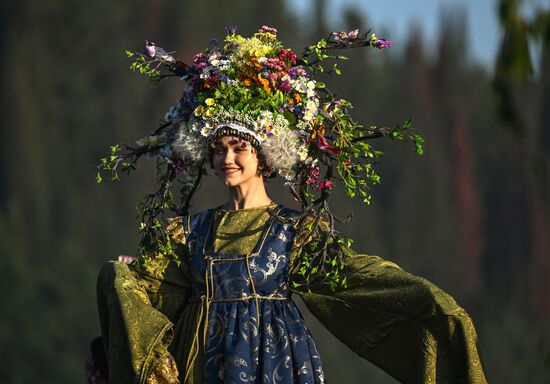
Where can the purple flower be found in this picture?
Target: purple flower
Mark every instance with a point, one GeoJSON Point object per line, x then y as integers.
{"type": "Point", "coordinates": [294, 72]}
{"type": "Point", "coordinates": [282, 107]}
{"type": "Point", "coordinates": [214, 41]}
{"type": "Point", "coordinates": [150, 49]}
{"type": "Point", "coordinates": [285, 87]}
{"type": "Point", "coordinates": [176, 164]}
{"type": "Point", "coordinates": [382, 43]}
{"type": "Point", "coordinates": [231, 29]}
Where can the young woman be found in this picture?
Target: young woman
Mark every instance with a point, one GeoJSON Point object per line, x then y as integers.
{"type": "Point", "coordinates": [214, 303]}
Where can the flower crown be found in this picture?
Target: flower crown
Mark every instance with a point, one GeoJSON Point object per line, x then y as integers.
{"type": "Point", "coordinates": [255, 88]}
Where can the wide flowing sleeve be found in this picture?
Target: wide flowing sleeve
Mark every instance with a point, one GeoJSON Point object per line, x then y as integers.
{"type": "Point", "coordinates": [402, 323]}
{"type": "Point", "coordinates": [138, 305]}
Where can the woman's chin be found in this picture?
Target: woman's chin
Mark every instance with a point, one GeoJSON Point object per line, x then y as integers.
{"type": "Point", "coordinates": [230, 181]}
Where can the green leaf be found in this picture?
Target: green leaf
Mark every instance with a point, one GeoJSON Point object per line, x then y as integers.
{"type": "Point", "coordinates": [98, 178]}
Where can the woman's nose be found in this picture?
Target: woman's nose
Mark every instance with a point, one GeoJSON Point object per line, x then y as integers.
{"type": "Point", "coordinates": [229, 157]}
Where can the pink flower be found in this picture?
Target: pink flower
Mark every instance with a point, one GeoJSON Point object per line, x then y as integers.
{"type": "Point", "coordinates": [266, 29]}
{"type": "Point", "coordinates": [276, 64]}
{"type": "Point", "coordinates": [382, 43]}
{"type": "Point", "coordinates": [287, 55]}
{"type": "Point", "coordinates": [352, 35]}
{"type": "Point", "coordinates": [327, 184]}
{"type": "Point", "coordinates": [323, 145]}
{"type": "Point", "coordinates": [314, 174]}
{"type": "Point", "coordinates": [200, 58]}
{"type": "Point", "coordinates": [345, 37]}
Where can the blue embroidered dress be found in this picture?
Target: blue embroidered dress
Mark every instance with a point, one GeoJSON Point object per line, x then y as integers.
{"type": "Point", "coordinates": [254, 331]}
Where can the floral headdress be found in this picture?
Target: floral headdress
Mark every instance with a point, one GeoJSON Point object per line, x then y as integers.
{"type": "Point", "coordinates": [255, 88]}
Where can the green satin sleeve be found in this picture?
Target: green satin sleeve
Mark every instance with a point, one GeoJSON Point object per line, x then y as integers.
{"type": "Point", "coordinates": [402, 323]}
{"type": "Point", "coordinates": [138, 305]}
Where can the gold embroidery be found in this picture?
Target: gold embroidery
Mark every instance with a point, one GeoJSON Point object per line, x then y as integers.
{"type": "Point", "coordinates": [165, 372]}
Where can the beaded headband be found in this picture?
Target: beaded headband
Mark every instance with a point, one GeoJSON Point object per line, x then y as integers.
{"type": "Point", "coordinates": [232, 129]}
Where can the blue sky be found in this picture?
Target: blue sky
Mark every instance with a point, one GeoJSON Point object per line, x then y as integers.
{"type": "Point", "coordinates": [397, 16]}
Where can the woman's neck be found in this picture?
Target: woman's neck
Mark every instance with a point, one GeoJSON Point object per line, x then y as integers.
{"type": "Point", "coordinates": [249, 197]}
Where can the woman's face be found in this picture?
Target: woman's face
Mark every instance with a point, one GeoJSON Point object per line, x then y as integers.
{"type": "Point", "coordinates": [235, 161]}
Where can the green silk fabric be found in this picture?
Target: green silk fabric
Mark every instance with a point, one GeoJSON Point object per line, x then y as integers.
{"type": "Point", "coordinates": [402, 323]}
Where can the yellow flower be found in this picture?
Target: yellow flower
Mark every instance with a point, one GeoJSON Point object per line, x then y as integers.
{"type": "Point", "coordinates": [199, 110]}
{"type": "Point", "coordinates": [259, 51]}
{"type": "Point", "coordinates": [210, 111]}
{"type": "Point", "coordinates": [210, 101]}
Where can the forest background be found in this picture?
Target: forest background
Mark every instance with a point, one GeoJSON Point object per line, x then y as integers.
{"type": "Point", "coordinates": [472, 214]}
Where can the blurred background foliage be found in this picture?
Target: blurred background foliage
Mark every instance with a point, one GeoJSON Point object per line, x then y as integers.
{"type": "Point", "coordinates": [472, 215]}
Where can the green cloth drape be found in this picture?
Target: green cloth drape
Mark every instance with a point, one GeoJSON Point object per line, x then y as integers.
{"type": "Point", "coordinates": [400, 322]}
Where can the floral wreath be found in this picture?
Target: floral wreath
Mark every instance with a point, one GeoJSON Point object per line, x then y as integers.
{"type": "Point", "coordinates": [255, 88]}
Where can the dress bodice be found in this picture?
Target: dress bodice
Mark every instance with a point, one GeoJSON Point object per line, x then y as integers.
{"type": "Point", "coordinates": [262, 272]}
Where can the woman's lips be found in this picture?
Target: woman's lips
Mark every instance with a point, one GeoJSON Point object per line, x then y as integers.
{"type": "Point", "coordinates": [229, 171]}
